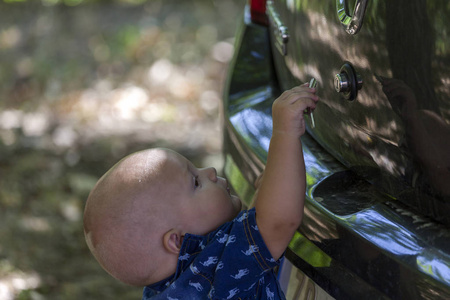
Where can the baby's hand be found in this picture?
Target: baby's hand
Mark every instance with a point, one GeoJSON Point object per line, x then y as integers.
{"type": "Point", "coordinates": [288, 110]}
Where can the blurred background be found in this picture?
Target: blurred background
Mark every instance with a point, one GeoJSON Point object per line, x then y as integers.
{"type": "Point", "coordinates": [82, 84]}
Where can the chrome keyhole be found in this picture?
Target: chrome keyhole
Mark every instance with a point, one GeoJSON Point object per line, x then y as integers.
{"type": "Point", "coordinates": [348, 82]}
{"type": "Point", "coordinates": [341, 83]}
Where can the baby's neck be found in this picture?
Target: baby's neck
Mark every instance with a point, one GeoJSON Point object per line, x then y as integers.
{"type": "Point", "coordinates": [165, 268]}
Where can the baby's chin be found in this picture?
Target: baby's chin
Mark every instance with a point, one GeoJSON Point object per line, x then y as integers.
{"type": "Point", "coordinates": [237, 203]}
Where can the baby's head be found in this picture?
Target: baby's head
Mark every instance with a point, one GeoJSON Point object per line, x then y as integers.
{"type": "Point", "coordinates": [139, 211]}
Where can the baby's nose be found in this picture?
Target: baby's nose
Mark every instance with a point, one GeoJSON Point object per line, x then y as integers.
{"type": "Point", "coordinates": [212, 174]}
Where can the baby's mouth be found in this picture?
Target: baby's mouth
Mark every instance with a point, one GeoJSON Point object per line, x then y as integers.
{"type": "Point", "coordinates": [228, 190]}
{"type": "Point", "coordinates": [227, 187]}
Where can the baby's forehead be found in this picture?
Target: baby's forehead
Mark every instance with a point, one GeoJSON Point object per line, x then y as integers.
{"type": "Point", "coordinates": [149, 162]}
{"type": "Point", "coordinates": [174, 166]}
{"type": "Point", "coordinates": [158, 166]}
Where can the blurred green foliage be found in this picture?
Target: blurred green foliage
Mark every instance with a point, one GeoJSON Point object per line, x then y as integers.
{"type": "Point", "coordinates": [68, 69]}
{"type": "Point", "coordinates": [76, 2]}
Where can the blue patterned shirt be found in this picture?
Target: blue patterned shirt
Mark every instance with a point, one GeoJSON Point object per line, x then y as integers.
{"type": "Point", "coordinates": [231, 262]}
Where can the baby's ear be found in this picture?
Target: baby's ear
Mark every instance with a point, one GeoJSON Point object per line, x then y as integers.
{"type": "Point", "coordinates": [172, 240]}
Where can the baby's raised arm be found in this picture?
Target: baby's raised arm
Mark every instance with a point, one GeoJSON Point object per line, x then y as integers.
{"type": "Point", "coordinates": [280, 199]}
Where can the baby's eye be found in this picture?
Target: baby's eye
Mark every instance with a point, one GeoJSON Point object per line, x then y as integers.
{"type": "Point", "coordinates": [196, 182]}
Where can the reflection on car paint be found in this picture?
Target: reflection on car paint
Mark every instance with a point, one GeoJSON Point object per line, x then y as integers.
{"type": "Point", "coordinates": [401, 41]}
{"type": "Point", "coordinates": [356, 241]}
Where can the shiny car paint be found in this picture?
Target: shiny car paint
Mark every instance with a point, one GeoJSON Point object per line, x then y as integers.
{"type": "Point", "coordinates": [376, 223]}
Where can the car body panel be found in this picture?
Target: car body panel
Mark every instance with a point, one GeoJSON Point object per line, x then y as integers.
{"type": "Point", "coordinates": [356, 241]}
{"type": "Point", "coordinates": [399, 140]}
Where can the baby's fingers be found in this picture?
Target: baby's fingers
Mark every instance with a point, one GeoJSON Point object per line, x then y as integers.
{"type": "Point", "coordinates": [297, 95]}
{"type": "Point", "coordinates": [303, 88]}
{"type": "Point", "coordinates": [305, 104]}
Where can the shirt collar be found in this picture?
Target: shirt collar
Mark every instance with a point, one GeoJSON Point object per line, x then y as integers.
{"type": "Point", "coordinates": [191, 246]}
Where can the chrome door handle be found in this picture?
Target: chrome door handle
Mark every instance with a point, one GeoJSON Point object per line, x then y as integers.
{"type": "Point", "coordinates": [351, 23]}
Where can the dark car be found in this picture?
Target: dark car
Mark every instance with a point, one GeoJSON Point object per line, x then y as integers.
{"type": "Point", "coordinates": [377, 212]}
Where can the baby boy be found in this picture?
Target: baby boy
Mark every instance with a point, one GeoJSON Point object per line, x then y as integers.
{"type": "Point", "coordinates": [155, 220]}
